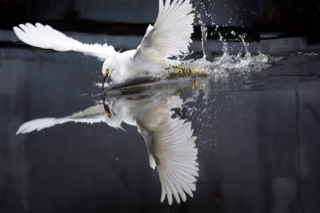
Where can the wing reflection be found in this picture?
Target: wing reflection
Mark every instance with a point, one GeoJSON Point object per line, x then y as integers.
{"type": "Point", "coordinates": [170, 141]}
{"type": "Point", "coordinates": [94, 114]}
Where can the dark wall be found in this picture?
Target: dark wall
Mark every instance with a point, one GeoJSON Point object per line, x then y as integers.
{"type": "Point", "coordinates": [264, 14]}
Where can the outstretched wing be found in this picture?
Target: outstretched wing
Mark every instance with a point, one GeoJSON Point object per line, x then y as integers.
{"type": "Point", "coordinates": [91, 115]}
{"type": "Point", "coordinates": [46, 37]}
{"type": "Point", "coordinates": [172, 150]}
{"type": "Point", "coordinates": [170, 35]}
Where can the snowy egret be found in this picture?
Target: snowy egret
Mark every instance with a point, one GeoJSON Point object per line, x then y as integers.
{"type": "Point", "coordinates": [170, 36]}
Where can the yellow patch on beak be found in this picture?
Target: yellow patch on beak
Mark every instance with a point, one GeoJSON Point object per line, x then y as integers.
{"type": "Point", "coordinates": [106, 72]}
{"type": "Point", "coordinates": [107, 109]}
{"type": "Point", "coordinates": [108, 113]}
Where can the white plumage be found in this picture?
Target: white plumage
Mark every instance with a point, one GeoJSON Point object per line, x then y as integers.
{"type": "Point", "coordinates": [46, 37]}
{"type": "Point", "coordinates": [170, 141]}
{"type": "Point", "coordinates": [172, 150]}
{"type": "Point", "coordinates": [170, 36]}
{"type": "Point", "coordinates": [94, 114]}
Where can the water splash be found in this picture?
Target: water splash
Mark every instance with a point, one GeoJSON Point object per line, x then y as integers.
{"type": "Point", "coordinates": [205, 45]}
{"type": "Point", "coordinates": [245, 44]}
{"type": "Point", "coordinates": [225, 48]}
{"type": "Point", "coordinates": [222, 66]}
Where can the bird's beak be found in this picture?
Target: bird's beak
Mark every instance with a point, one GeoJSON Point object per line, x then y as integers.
{"type": "Point", "coordinates": [105, 77]}
{"type": "Point", "coordinates": [107, 109]}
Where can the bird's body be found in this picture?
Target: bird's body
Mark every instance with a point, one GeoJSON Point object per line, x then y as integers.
{"type": "Point", "coordinates": [170, 141]}
{"type": "Point", "coordinates": [170, 36]}
{"type": "Point", "coordinates": [126, 66]}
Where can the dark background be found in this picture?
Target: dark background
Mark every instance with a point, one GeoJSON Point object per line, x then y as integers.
{"type": "Point", "coordinates": [292, 17]}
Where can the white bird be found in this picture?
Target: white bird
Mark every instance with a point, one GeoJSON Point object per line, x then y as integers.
{"type": "Point", "coordinates": [170, 141]}
{"type": "Point", "coordinates": [170, 36]}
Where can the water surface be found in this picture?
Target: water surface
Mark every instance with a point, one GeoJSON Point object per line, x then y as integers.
{"type": "Point", "coordinates": [257, 138]}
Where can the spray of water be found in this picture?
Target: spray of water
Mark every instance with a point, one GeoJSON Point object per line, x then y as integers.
{"type": "Point", "coordinates": [226, 63]}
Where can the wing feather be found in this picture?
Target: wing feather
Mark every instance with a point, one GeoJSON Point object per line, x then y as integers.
{"type": "Point", "coordinates": [171, 33]}
{"type": "Point", "coordinates": [46, 37]}
{"type": "Point", "coordinates": [91, 115]}
{"type": "Point", "coordinates": [176, 156]}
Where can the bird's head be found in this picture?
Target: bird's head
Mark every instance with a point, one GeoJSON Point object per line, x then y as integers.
{"type": "Point", "coordinates": [108, 67]}
{"type": "Point", "coordinates": [112, 119]}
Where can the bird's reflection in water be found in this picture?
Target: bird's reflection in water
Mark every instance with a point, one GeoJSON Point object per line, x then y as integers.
{"type": "Point", "coordinates": [170, 141]}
